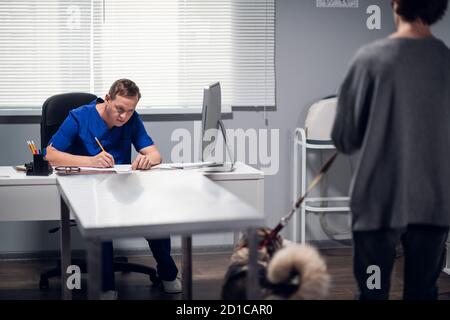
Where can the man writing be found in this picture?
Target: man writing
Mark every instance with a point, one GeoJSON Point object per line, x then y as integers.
{"type": "Point", "coordinates": [116, 125]}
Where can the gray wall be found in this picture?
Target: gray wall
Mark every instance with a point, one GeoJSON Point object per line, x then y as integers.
{"type": "Point", "coordinates": [313, 47]}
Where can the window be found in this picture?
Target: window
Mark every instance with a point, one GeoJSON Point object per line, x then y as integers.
{"type": "Point", "coordinates": [170, 48]}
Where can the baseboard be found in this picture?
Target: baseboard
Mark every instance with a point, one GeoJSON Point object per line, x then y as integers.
{"type": "Point", "coordinates": [38, 255]}
{"type": "Point", "coordinates": [130, 252]}
{"type": "Point", "coordinates": [331, 244]}
{"type": "Point", "coordinates": [55, 254]}
{"type": "Point", "coordinates": [214, 249]}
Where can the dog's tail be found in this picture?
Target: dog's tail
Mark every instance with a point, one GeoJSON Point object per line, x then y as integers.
{"type": "Point", "coordinates": [304, 265]}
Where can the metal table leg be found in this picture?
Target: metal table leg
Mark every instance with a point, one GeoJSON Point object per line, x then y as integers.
{"type": "Point", "coordinates": [66, 254]}
{"type": "Point", "coordinates": [186, 248]}
{"type": "Point", "coordinates": [94, 268]}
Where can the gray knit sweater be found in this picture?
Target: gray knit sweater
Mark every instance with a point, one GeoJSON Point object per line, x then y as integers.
{"type": "Point", "coordinates": [394, 107]}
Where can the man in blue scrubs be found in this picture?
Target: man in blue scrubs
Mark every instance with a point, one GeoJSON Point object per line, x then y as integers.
{"type": "Point", "coordinates": [116, 125]}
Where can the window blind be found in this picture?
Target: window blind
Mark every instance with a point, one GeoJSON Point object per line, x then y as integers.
{"type": "Point", "coordinates": [170, 48]}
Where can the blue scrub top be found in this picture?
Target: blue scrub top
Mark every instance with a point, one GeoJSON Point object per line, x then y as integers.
{"type": "Point", "coordinates": [77, 134]}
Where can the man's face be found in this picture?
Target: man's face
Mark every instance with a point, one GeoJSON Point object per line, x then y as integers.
{"type": "Point", "coordinates": [120, 109]}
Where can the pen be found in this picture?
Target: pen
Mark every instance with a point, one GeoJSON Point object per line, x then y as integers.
{"type": "Point", "coordinates": [99, 144]}
{"type": "Point", "coordinates": [34, 147]}
{"type": "Point", "coordinates": [30, 145]}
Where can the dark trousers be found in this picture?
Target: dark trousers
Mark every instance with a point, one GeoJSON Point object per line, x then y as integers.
{"type": "Point", "coordinates": [165, 266]}
{"type": "Point", "coordinates": [424, 254]}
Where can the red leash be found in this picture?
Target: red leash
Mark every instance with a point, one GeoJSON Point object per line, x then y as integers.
{"type": "Point", "coordinates": [285, 220]}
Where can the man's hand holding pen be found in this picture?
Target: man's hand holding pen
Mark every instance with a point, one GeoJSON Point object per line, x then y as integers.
{"type": "Point", "coordinates": [102, 160]}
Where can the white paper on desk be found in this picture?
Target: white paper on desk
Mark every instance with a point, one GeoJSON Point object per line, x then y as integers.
{"type": "Point", "coordinates": [5, 172]}
{"type": "Point", "coordinates": [118, 168]}
{"type": "Point", "coordinates": [123, 168]}
{"type": "Point", "coordinates": [185, 165]}
{"type": "Point", "coordinates": [164, 166]}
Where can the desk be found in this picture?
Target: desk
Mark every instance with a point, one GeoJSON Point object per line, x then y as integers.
{"type": "Point", "coordinates": [28, 198]}
{"type": "Point", "coordinates": [155, 203]}
{"type": "Point", "coordinates": [44, 200]}
{"type": "Point", "coordinates": [245, 182]}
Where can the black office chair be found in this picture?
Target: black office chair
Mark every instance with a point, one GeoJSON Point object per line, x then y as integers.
{"type": "Point", "coordinates": [54, 112]}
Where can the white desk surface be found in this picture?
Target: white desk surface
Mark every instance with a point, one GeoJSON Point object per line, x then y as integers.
{"type": "Point", "coordinates": [10, 176]}
{"type": "Point", "coordinates": [154, 203]}
{"type": "Point", "coordinates": [241, 172]}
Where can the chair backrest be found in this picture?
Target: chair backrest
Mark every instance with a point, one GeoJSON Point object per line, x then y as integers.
{"type": "Point", "coordinates": [56, 109]}
{"type": "Point", "coordinates": [320, 119]}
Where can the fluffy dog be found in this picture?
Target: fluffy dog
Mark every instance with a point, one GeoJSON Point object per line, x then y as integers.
{"type": "Point", "coordinates": [285, 271]}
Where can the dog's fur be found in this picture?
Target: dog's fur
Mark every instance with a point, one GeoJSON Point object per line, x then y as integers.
{"type": "Point", "coordinates": [285, 271]}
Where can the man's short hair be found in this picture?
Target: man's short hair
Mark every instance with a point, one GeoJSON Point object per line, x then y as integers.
{"type": "Point", "coordinates": [429, 11]}
{"type": "Point", "coordinates": [124, 88]}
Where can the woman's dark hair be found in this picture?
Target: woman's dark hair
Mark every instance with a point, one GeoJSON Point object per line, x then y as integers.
{"type": "Point", "coordinates": [429, 11]}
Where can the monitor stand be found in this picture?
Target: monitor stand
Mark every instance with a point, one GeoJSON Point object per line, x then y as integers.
{"type": "Point", "coordinates": [227, 166]}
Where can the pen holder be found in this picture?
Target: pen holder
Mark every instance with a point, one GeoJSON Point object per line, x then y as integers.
{"type": "Point", "coordinates": [39, 166]}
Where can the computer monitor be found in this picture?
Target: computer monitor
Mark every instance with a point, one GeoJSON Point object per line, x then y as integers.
{"type": "Point", "coordinates": [211, 114]}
